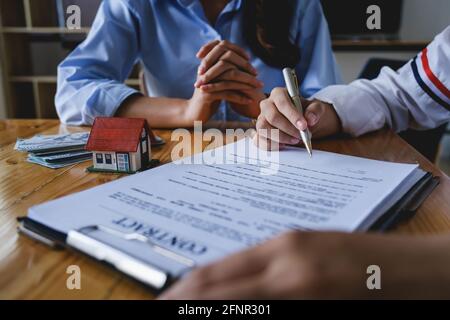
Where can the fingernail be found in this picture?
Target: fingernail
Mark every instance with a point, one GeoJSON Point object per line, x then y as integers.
{"type": "Point", "coordinates": [312, 119]}
{"type": "Point", "coordinates": [261, 84]}
{"type": "Point", "coordinates": [295, 141]}
{"type": "Point", "coordinates": [301, 125]}
{"type": "Point", "coordinates": [201, 69]}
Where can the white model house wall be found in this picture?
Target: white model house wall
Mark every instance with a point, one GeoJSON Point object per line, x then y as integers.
{"type": "Point", "coordinates": [104, 165]}
{"type": "Point", "coordinates": [135, 159]}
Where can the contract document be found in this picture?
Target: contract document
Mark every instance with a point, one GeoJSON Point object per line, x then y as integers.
{"type": "Point", "coordinates": [202, 212]}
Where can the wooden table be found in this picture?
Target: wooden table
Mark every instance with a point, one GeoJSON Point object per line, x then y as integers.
{"type": "Point", "coordinates": [29, 270]}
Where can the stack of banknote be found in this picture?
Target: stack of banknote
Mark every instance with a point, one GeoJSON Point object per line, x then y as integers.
{"type": "Point", "coordinates": [55, 151]}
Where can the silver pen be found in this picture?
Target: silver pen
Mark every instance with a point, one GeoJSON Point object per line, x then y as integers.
{"type": "Point", "coordinates": [293, 89]}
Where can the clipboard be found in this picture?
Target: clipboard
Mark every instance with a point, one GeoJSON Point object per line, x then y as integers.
{"type": "Point", "coordinates": [87, 240]}
{"type": "Point", "coordinates": [407, 206]}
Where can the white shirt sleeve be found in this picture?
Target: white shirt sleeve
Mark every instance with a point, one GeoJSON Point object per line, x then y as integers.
{"type": "Point", "coordinates": [416, 96]}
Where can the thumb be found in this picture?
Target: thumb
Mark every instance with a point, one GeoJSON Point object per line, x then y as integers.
{"type": "Point", "coordinates": [313, 113]}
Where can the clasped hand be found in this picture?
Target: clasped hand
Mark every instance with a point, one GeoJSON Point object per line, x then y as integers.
{"type": "Point", "coordinates": [225, 73]}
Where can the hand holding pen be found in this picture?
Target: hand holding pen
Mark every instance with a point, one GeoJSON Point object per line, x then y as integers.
{"type": "Point", "coordinates": [279, 112]}
{"type": "Point", "coordinates": [293, 89]}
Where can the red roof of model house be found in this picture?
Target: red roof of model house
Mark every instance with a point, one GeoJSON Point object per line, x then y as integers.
{"type": "Point", "coordinates": [116, 134]}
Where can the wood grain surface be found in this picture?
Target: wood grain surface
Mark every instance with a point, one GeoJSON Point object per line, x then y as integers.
{"type": "Point", "coordinates": [30, 270]}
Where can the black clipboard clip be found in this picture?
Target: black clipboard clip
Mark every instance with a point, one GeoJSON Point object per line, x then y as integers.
{"type": "Point", "coordinates": [85, 241]}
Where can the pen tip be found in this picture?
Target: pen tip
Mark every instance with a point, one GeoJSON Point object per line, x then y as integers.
{"type": "Point", "coordinates": [309, 149]}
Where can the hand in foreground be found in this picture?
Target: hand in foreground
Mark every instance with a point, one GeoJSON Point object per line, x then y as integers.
{"type": "Point", "coordinates": [278, 112]}
{"type": "Point", "coordinates": [325, 265]}
{"type": "Point", "coordinates": [226, 68]}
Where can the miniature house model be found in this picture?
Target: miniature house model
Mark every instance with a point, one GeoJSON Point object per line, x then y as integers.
{"type": "Point", "coordinates": [120, 144]}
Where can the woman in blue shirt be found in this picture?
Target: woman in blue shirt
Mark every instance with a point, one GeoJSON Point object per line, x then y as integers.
{"type": "Point", "coordinates": [202, 59]}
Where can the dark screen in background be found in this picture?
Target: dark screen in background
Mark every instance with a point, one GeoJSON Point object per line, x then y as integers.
{"type": "Point", "coordinates": [347, 18]}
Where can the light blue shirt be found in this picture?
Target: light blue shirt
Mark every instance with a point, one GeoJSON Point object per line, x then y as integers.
{"type": "Point", "coordinates": [164, 36]}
